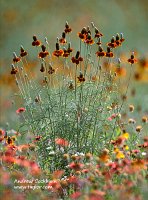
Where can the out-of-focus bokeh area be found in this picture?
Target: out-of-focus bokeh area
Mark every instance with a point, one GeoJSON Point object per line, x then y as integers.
{"type": "Point", "coordinates": [46, 18]}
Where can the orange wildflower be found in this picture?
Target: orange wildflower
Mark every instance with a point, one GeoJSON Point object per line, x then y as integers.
{"type": "Point", "coordinates": [62, 40]}
{"type": "Point", "coordinates": [57, 174]}
{"type": "Point", "coordinates": [132, 59]}
{"type": "Point", "coordinates": [143, 63]}
{"type": "Point", "coordinates": [117, 41]}
{"type": "Point", "coordinates": [82, 35]}
{"type": "Point", "coordinates": [121, 37]}
{"type": "Point", "coordinates": [10, 140]}
{"type": "Point", "coordinates": [104, 156]}
{"type": "Point", "coordinates": [61, 142]}
{"type": "Point", "coordinates": [109, 53]}
{"type": "Point", "coordinates": [43, 53]}
{"type": "Point", "coordinates": [58, 52]}
{"type": "Point", "coordinates": [120, 71]}
{"type": "Point", "coordinates": [112, 44]}
{"type": "Point", "coordinates": [119, 155]}
{"type": "Point", "coordinates": [66, 53]}
{"type": "Point", "coordinates": [138, 164]}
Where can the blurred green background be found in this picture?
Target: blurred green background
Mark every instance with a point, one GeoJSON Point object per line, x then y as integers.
{"type": "Point", "coordinates": [20, 19]}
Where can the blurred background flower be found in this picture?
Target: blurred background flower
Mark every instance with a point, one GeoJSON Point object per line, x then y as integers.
{"type": "Point", "coordinates": [20, 20]}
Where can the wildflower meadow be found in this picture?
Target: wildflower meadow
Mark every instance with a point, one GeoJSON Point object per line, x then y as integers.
{"type": "Point", "coordinates": [78, 134]}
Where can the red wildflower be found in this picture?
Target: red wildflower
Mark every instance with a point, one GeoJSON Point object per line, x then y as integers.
{"type": "Point", "coordinates": [89, 40]}
{"type": "Point", "coordinates": [62, 40]}
{"type": "Point", "coordinates": [16, 58]}
{"type": "Point", "coordinates": [82, 35]}
{"type": "Point", "coordinates": [34, 168]}
{"type": "Point", "coordinates": [13, 70]}
{"type": "Point", "coordinates": [43, 53]}
{"type": "Point", "coordinates": [75, 195]}
{"type": "Point", "coordinates": [72, 179]}
{"type": "Point", "coordinates": [100, 52]}
{"type": "Point", "coordinates": [77, 58]}
{"type": "Point", "coordinates": [121, 37]}
{"type": "Point", "coordinates": [113, 116]}
{"type": "Point", "coordinates": [109, 53]}
{"type": "Point", "coordinates": [61, 142]}
{"type": "Point", "coordinates": [132, 59]}
{"type": "Point", "coordinates": [8, 159]}
{"type": "Point", "coordinates": [54, 185]}
{"type": "Point", "coordinates": [66, 53]}
{"type": "Point", "coordinates": [69, 49]}
{"type": "Point", "coordinates": [99, 41]}
{"type": "Point", "coordinates": [81, 77]}
{"type": "Point", "coordinates": [23, 52]}
{"type": "Point", "coordinates": [35, 42]}
{"type": "Point", "coordinates": [67, 28]}
{"type": "Point", "coordinates": [76, 166]}
{"type": "Point", "coordinates": [135, 152]}
{"type": "Point", "coordinates": [57, 174]}
{"type": "Point", "coordinates": [85, 171]}
{"type": "Point", "coordinates": [58, 52]}
{"type": "Point", "coordinates": [97, 33]}
{"type": "Point", "coordinates": [112, 44]}
{"type": "Point", "coordinates": [118, 41]}
{"type": "Point", "coordinates": [20, 110]}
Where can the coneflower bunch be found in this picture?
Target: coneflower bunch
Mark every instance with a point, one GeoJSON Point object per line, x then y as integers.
{"type": "Point", "coordinates": [76, 106]}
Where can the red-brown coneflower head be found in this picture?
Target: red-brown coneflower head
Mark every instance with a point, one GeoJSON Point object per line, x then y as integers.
{"type": "Point", "coordinates": [36, 42]}
{"type": "Point", "coordinates": [77, 58]}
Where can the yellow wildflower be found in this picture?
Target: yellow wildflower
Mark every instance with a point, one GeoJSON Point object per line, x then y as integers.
{"type": "Point", "coordinates": [120, 155]}
{"type": "Point", "coordinates": [125, 135]}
